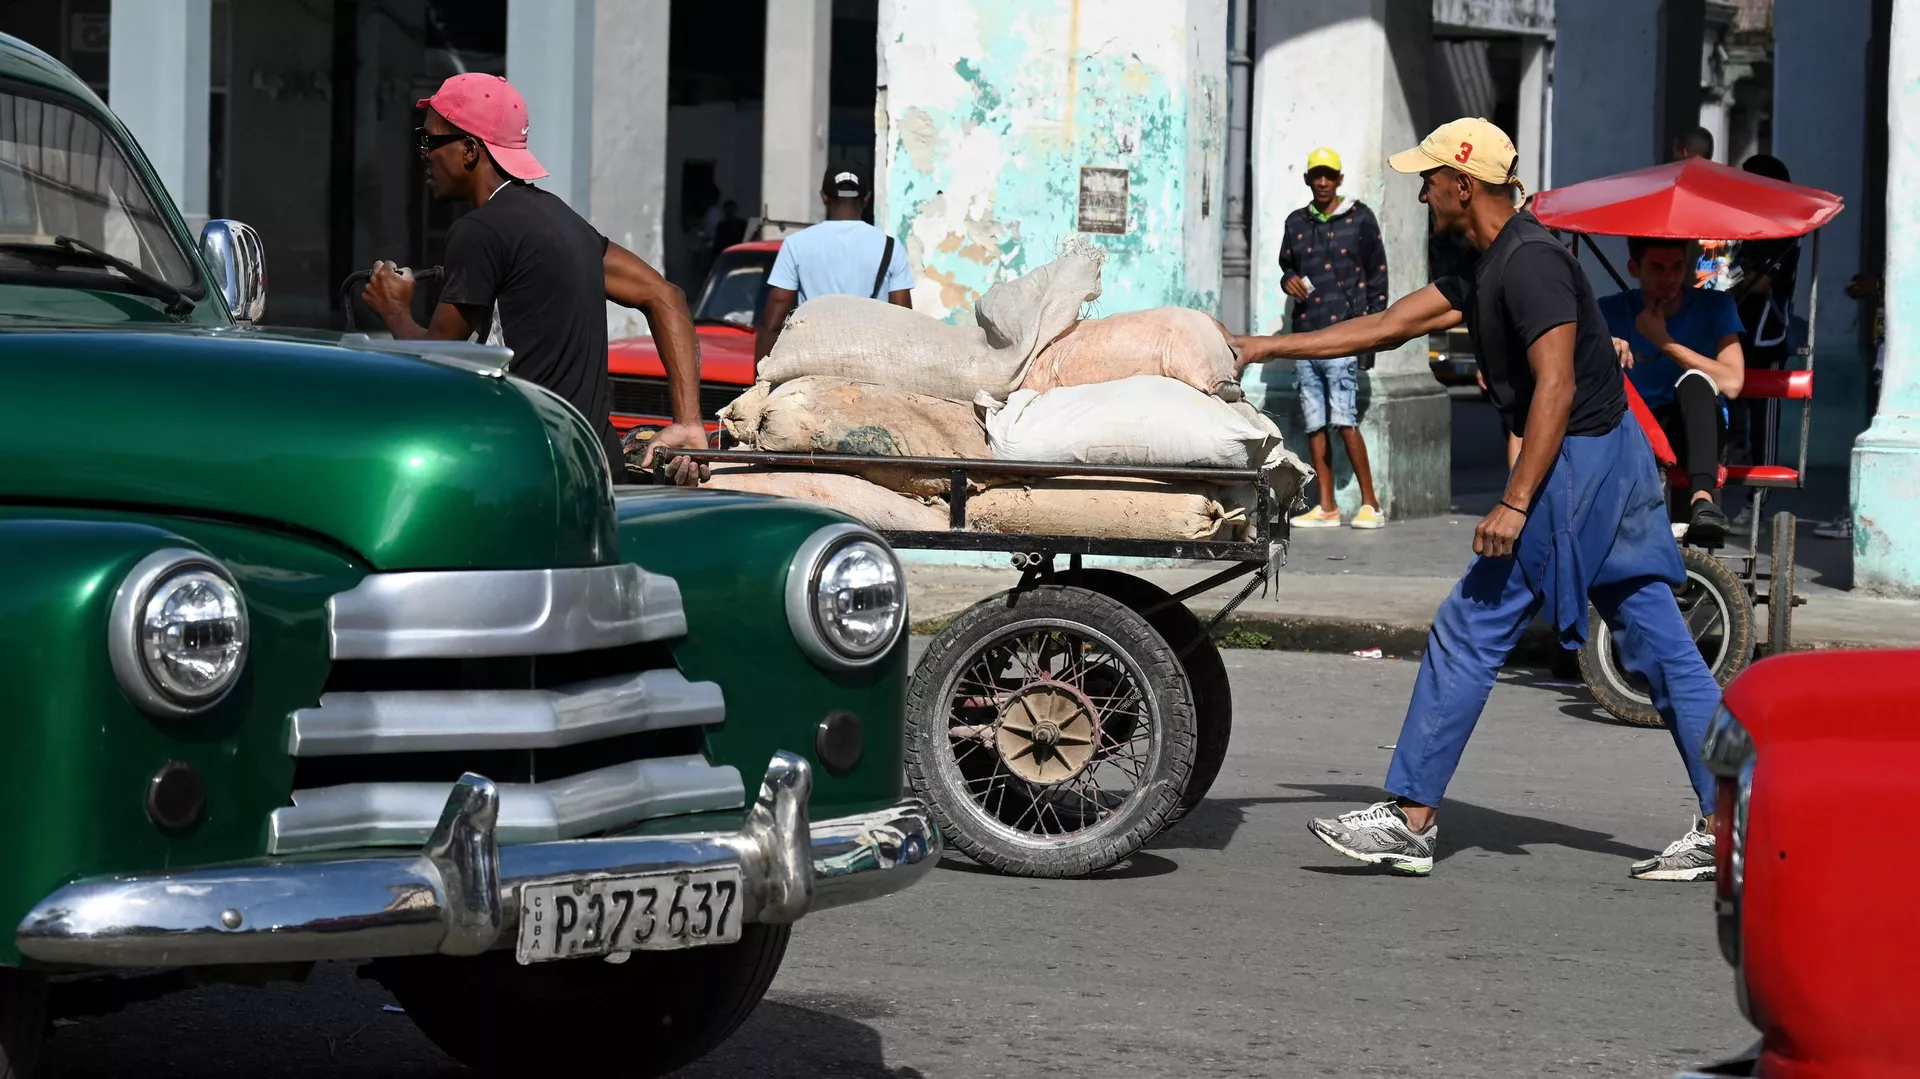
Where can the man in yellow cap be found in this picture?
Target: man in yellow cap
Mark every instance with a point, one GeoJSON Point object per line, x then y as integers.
{"type": "Point", "coordinates": [1582, 517]}
{"type": "Point", "coordinates": [1336, 270]}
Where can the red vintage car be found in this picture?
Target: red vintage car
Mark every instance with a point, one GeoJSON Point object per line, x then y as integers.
{"type": "Point", "coordinates": [723, 315]}
{"type": "Point", "coordinates": [1821, 935]}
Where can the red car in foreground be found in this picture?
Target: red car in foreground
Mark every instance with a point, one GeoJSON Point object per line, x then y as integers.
{"type": "Point", "coordinates": [723, 315]}
{"type": "Point", "coordinates": [1819, 911]}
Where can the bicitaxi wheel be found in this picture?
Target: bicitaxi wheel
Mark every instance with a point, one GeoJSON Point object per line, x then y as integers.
{"type": "Point", "coordinates": [1051, 729]}
{"type": "Point", "coordinates": [1718, 613]}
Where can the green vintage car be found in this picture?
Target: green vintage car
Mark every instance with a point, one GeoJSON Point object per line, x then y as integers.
{"type": "Point", "coordinates": [333, 649]}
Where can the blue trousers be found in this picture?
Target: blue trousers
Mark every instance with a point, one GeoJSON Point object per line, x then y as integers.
{"type": "Point", "coordinates": [1598, 531]}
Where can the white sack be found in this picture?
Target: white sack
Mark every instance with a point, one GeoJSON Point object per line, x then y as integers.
{"type": "Point", "coordinates": [864, 340]}
{"type": "Point", "coordinates": [1144, 420]}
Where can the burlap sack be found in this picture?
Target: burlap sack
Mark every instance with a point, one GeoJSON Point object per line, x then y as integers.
{"type": "Point", "coordinates": [832, 415]}
{"type": "Point", "coordinates": [1111, 508]}
{"type": "Point", "coordinates": [863, 340]}
{"type": "Point", "coordinates": [1143, 420]}
{"type": "Point", "coordinates": [872, 505]}
{"type": "Point", "coordinates": [1172, 341]}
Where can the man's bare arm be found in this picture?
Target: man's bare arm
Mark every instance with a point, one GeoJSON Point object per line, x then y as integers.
{"type": "Point", "coordinates": [633, 283]}
{"type": "Point", "coordinates": [780, 303]}
{"type": "Point", "coordinates": [901, 297]}
{"type": "Point", "coordinates": [1551, 357]}
{"type": "Point", "coordinates": [390, 294]}
{"type": "Point", "coordinates": [1414, 315]}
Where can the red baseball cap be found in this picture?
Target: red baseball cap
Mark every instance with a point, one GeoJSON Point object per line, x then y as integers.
{"type": "Point", "coordinates": [491, 110]}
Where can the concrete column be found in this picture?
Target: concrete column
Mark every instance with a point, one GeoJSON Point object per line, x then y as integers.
{"type": "Point", "coordinates": [550, 53]}
{"type": "Point", "coordinates": [1886, 458]}
{"type": "Point", "coordinates": [1606, 101]}
{"type": "Point", "coordinates": [1351, 75]}
{"type": "Point", "coordinates": [1821, 106]}
{"type": "Point", "coordinates": [1531, 137]}
{"type": "Point", "coordinates": [595, 78]}
{"type": "Point", "coordinates": [629, 146]}
{"type": "Point", "coordinates": [794, 133]}
{"type": "Point", "coordinates": [157, 82]}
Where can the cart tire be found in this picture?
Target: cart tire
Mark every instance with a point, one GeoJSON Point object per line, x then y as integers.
{"type": "Point", "coordinates": [1716, 608]}
{"type": "Point", "coordinates": [1206, 675]}
{"type": "Point", "coordinates": [1107, 776]}
{"type": "Point", "coordinates": [1780, 584]}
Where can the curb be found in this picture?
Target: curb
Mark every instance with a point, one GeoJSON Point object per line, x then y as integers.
{"type": "Point", "coordinates": [1538, 647]}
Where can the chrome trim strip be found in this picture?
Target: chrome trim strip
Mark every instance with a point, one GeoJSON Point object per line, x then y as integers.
{"type": "Point", "coordinates": [302, 911]}
{"type": "Point", "coordinates": [429, 721]}
{"type": "Point", "coordinates": [474, 613]}
{"type": "Point", "coordinates": [487, 361]}
{"type": "Point", "coordinates": [388, 814]}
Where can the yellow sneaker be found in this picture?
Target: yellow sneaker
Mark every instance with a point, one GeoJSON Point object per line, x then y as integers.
{"type": "Point", "coordinates": [1368, 517]}
{"type": "Point", "coordinates": [1317, 518]}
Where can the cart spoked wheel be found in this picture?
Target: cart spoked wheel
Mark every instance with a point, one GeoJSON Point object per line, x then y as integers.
{"type": "Point", "coordinates": [1206, 674]}
{"type": "Point", "coordinates": [1718, 613]}
{"type": "Point", "coordinates": [1051, 730]}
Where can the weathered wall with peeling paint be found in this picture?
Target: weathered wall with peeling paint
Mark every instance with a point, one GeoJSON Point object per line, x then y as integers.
{"type": "Point", "coordinates": [991, 108]}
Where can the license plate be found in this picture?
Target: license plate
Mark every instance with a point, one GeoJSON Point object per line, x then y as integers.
{"type": "Point", "coordinates": [612, 915]}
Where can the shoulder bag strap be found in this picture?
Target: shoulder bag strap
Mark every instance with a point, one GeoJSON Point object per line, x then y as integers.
{"type": "Point", "coordinates": [880, 275]}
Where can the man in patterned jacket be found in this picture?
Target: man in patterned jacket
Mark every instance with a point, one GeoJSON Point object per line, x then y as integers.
{"type": "Point", "coordinates": [1336, 270]}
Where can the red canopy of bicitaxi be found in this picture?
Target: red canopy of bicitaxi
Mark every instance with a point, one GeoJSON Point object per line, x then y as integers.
{"type": "Point", "coordinates": [1693, 199]}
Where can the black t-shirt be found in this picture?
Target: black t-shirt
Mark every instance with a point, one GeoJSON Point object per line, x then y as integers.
{"type": "Point", "coordinates": [541, 267]}
{"type": "Point", "coordinates": [1521, 287]}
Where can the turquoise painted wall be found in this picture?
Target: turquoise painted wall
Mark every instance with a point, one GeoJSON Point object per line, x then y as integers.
{"type": "Point", "coordinates": [992, 107]}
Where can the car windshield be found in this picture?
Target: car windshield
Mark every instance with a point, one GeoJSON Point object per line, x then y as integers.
{"type": "Point", "coordinates": [62, 174]}
{"type": "Point", "coordinates": [734, 287]}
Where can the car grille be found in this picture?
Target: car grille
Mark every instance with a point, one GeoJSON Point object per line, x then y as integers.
{"type": "Point", "coordinates": [555, 684]}
{"type": "Point", "coordinates": [643, 395]}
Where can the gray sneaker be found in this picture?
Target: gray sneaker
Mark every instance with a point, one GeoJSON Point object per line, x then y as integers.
{"type": "Point", "coordinates": [1380, 835]}
{"type": "Point", "coordinates": [1688, 858]}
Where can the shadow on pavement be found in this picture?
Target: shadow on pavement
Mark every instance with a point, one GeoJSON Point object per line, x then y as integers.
{"type": "Point", "coordinates": [786, 1041]}
{"type": "Point", "coordinates": [1468, 827]}
{"type": "Point", "coordinates": [1138, 867]}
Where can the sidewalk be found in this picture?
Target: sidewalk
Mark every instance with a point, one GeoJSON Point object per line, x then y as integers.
{"type": "Point", "coordinates": [1343, 590]}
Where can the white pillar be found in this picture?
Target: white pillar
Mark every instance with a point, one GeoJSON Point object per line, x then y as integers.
{"type": "Point", "coordinates": [550, 51]}
{"type": "Point", "coordinates": [794, 126]}
{"type": "Point", "coordinates": [158, 84]}
{"type": "Point", "coordinates": [629, 144]}
{"type": "Point", "coordinates": [1531, 138]}
{"type": "Point", "coordinates": [1886, 459]}
{"type": "Point", "coordinates": [1351, 75]}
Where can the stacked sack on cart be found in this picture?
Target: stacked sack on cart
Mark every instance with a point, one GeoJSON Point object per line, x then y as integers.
{"type": "Point", "coordinates": [1031, 381]}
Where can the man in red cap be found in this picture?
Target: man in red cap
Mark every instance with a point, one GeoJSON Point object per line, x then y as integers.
{"type": "Point", "coordinates": [525, 270]}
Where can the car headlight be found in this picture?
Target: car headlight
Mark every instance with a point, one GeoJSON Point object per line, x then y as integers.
{"type": "Point", "coordinates": [846, 597]}
{"type": "Point", "coordinates": [177, 634]}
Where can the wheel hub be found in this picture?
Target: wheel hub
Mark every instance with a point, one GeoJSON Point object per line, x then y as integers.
{"type": "Point", "coordinates": [1047, 733]}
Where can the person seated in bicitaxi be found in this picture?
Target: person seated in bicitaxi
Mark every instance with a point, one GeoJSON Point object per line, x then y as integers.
{"type": "Point", "coordinates": [1682, 352]}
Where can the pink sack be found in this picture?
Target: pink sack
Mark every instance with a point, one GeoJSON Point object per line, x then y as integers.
{"type": "Point", "coordinates": [1173, 341]}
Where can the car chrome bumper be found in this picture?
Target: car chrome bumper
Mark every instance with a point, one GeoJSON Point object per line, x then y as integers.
{"type": "Point", "coordinates": [460, 895]}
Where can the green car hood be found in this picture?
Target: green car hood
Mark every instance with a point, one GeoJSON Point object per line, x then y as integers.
{"type": "Point", "coordinates": [403, 462]}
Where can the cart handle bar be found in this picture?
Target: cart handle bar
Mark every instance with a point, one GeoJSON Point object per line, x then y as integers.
{"type": "Point", "coordinates": [834, 461]}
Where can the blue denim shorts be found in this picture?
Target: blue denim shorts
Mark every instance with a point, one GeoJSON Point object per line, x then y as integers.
{"type": "Point", "coordinates": [1326, 389]}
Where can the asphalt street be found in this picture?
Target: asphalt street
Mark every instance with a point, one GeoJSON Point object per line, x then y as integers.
{"type": "Point", "coordinates": [1236, 945]}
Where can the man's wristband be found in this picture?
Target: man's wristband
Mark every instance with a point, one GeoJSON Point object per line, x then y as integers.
{"type": "Point", "coordinates": [1513, 507]}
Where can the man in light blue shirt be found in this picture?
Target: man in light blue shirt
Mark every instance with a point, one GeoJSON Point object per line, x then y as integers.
{"type": "Point", "coordinates": [1686, 360]}
{"type": "Point", "coordinates": [841, 256]}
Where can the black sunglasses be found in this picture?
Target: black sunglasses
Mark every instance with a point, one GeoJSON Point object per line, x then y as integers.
{"type": "Point", "coordinates": [430, 142]}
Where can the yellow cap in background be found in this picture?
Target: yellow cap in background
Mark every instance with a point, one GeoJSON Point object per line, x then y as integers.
{"type": "Point", "coordinates": [1323, 158]}
{"type": "Point", "coordinates": [1471, 145]}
